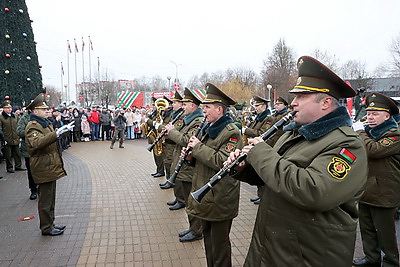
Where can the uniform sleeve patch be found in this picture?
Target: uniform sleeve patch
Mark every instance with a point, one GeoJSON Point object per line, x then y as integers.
{"type": "Point", "coordinates": [179, 123]}
{"type": "Point", "coordinates": [338, 168]}
{"type": "Point", "coordinates": [387, 141]}
{"type": "Point", "coordinates": [347, 155]}
{"type": "Point", "coordinates": [230, 147]}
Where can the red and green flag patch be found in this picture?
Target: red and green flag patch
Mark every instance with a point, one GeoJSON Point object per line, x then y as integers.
{"type": "Point", "coordinates": [347, 155]}
{"type": "Point", "coordinates": [233, 140]}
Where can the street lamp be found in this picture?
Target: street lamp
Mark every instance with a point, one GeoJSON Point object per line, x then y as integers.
{"type": "Point", "coordinates": [169, 82]}
{"type": "Point", "coordinates": [176, 69]}
{"type": "Point", "coordinates": [269, 87]}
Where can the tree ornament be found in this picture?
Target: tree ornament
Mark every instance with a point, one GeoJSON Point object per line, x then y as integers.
{"type": "Point", "coordinates": [7, 72]}
{"type": "Point", "coordinates": [8, 55]}
{"type": "Point", "coordinates": [31, 20]}
{"type": "Point", "coordinates": [6, 9]}
{"type": "Point", "coordinates": [28, 79]}
{"type": "Point", "coordinates": [25, 35]}
{"type": "Point", "coordinates": [28, 58]}
{"type": "Point", "coordinates": [21, 11]}
{"type": "Point", "coordinates": [40, 66]}
{"type": "Point", "coordinates": [8, 36]}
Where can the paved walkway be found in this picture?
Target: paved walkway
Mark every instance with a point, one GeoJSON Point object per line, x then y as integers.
{"type": "Point", "coordinates": [115, 213]}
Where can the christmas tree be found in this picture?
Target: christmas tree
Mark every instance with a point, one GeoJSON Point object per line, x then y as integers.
{"type": "Point", "coordinates": [20, 76]}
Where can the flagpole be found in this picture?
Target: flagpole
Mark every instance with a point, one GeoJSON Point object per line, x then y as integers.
{"type": "Point", "coordinates": [98, 73]}
{"type": "Point", "coordinates": [68, 52]}
{"type": "Point", "coordinates": [83, 61]}
{"type": "Point", "coordinates": [90, 62]}
{"type": "Point", "coordinates": [76, 68]}
{"type": "Point", "coordinates": [62, 81]}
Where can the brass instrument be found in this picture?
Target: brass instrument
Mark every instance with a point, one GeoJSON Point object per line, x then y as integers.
{"type": "Point", "coordinates": [161, 104]}
{"type": "Point", "coordinates": [226, 169]}
{"type": "Point", "coordinates": [163, 132]}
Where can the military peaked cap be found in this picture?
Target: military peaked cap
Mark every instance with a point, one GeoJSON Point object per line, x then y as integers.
{"type": "Point", "coordinates": [177, 96]}
{"type": "Point", "coordinates": [169, 100]}
{"type": "Point", "coordinates": [190, 97]}
{"type": "Point", "coordinates": [257, 100]}
{"type": "Point", "coordinates": [6, 103]}
{"type": "Point", "coordinates": [215, 95]}
{"type": "Point", "coordinates": [280, 100]}
{"type": "Point", "coordinates": [39, 102]}
{"type": "Point", "coordinates": [377, 101]}
{"type": "Point", "coordinates": [315, 77]}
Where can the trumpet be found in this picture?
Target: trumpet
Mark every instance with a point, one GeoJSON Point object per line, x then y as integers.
{"type": "Point", "coordinates": [171, 180]}
{"type": "Point", "coordinates": [200, 193]}
{"type": "Point", "coordinates": [163, 132]}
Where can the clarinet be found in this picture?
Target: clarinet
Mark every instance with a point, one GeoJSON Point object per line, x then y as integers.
{"type": "Point", "coordinates": [225, 170]}
{"type": "Point", "coordinates": [171, 180]}
{"type": "Point", "coordinates": [163, 132]}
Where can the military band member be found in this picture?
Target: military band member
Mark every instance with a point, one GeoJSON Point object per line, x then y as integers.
{"type": "Point", "coordinates": [158, 159]}
{"type": "Point", "coordinates": [171, 113]}
{"type": "Point", "coordinates": [313, 176]}
{"type": "Point", "coordinates": [179, 201]}
{"type": "Point", "coordinates": [45, 161]}
{"type": "Point", "coordinates": [261, 123]}
{"type": "Point", "coordinates": [381, 197]}
{"type": "Point", "coordinates": [217, 210]}
{"type": "Point", "coordinates": [180, 135]}
{"type": "Point", "coordinates": [281, 109]}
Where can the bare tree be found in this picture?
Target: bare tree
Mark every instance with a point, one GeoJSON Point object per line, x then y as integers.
{"type": "Point", "coordinates": [55, 95]}
{"type": "Point", "coordinates": [355, 70]}
{"type": "Point", "coordinates": [331, 61]}
{"type": "Point", "coordinates": [395, 51]}
{"type": "Point", "coordinates": [279, 69]}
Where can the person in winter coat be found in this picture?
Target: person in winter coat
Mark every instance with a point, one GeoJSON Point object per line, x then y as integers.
{"type": "Point", "coordinates": [120, 124]}
{"type": "Point", "coordinates": [129, 124]}
{"type": "Point", "coordinates": [8, 130]}
{"type": "Point", "coordinates": [381, 198]}
{"type": "Point", "coordinates": [313, 178]}
{"type": "Point", "coordinates": [105, 120]}
{"type": "Point", "coordinates": [45, 161]}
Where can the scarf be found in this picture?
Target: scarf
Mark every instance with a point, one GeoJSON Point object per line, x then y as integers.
{"type": "Point", "coordinates": [324, 125]}
{"type": "Point", "coordinates": [214, 129]}
{"type": "Point", "coordinates": [377, 131]}
{"type": "Point", "coordinates": [42, 121]}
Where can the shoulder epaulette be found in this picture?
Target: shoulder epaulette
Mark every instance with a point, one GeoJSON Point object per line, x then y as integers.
{"type": "Point", "coordinates": [348, 131]}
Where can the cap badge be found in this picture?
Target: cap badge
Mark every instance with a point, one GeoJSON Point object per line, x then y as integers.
{"type": "Point", "coordinates": [298, 81]}
{"type": "Point", "coordinates": [372, 104]}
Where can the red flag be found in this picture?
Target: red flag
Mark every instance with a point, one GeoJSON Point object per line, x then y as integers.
{"type": "Point", "coordinates": [91, 44]}
{"type": "Point", "coordinates": [83, 44]}
{"type": "Point", "coordinates": [76, 46]}
{"type": "Point", "coordinates": [62, 69]}
{"type": "Point", "coordinates": [69, 47]}
{"type": "Point", "coordinates": [177, 86]}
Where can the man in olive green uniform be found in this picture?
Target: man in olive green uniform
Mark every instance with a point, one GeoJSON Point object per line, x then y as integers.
{"type": "Point", "coordinates": [218, 208]}
{"type": "Point", "coordinates": [313, 176]}
{"type": "Point", "coordinates": [261, 123]}
{"type": "Point", "coordinates": [180, 135]}
{"type": "Point", "coordinates": [158, 159]}
{"type": "Point", "coordinates": [8, 129]}
{"type": "Point", "coordinates": [45, 161]}
{"type": "Point", "coordinates": [179, 201]}
{"type": "Point", "coordinates": [381, 197]}
{"type": "Point", "coordinates": [168, 115]}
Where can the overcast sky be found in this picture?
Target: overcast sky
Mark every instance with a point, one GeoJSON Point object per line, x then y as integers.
{"type": "Point", "coordinates": [141, 38]}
